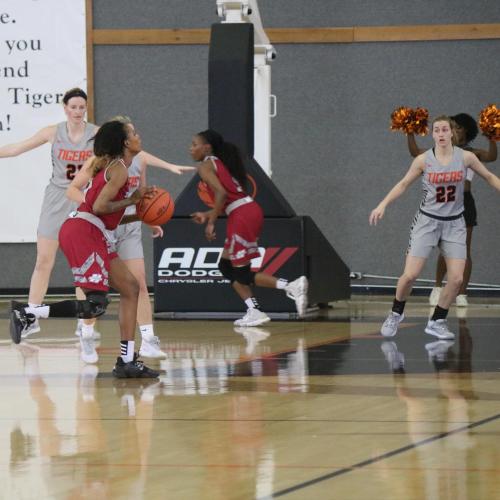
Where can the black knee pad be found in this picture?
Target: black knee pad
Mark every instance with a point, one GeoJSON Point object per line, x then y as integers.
{"type": "Point", "coordinates": [226, 269]}
{"type": "Point", "coordinates": [95, 305]}
{"type": "Point", "coordinates": [243, 275]}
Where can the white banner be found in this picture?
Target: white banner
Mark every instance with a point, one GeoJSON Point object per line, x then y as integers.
{"type": "Point", "coordinates": [42, 54]}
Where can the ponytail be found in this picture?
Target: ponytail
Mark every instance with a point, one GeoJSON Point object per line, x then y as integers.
{"type": "Point", "coordinates": [228, 153]}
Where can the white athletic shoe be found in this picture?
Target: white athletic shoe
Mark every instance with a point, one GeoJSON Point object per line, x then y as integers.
{"type": "Point", "coordinates": [31, 329]}
{"type": "Point", "coordinates": [395, 358]}
{"type": "Point", "coordinates": [253, 317]}
{"type": "Point", "coordinates": [78, 331]}
{"type": "Point", "coordinates": [434, 296]}
{"type": "Point", "coordinates": [150, 348]}
{"type": "Point", "coordinates": [88, 353]}
{"type": "Point", "coordinates": [297, 291]}
{"type": "Point", "coordinates": [439, 329]}
{"type": "Point", "coordinates": [461, 300]}
{"type": "Point", "coordinates": [390, 325]}
{"type": "Point", "coordinates": [438, 350]}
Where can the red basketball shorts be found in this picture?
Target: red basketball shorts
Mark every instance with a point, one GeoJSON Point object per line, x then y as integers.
{"type": "Point", "coordinates": [88, 254]}
{"type": "Point", "coordinates": [244, 225]}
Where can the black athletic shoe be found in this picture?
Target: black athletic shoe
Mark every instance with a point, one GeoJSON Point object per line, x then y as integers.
{"type": "Point", "coordinates": [19, 320]}
{"type": "Point", "coordinates": [133, 369]}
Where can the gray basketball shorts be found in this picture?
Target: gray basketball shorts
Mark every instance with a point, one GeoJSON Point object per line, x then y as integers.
{"type": "Point", "coordinates": [129, 241]}
{"type": "Point", "coordinates": [427, 233]}
{"type": "Point", "coordinates": [55, 210]}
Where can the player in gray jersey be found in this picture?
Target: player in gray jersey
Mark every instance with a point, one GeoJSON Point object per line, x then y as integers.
{"type": "Point", "coordinates": [129, 241]}
{"type": "Point", "coordinates": [71, 146]}
{"type": "Point", "coordinates": [439, 222]}
{"type": "Point", "coordinates": [465, 130]}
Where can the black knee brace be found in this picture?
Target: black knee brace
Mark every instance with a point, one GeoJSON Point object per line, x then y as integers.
{"type": "Point", "coordinates": [244, 275]}
{"type": "Point", "coordinates": [226, 269]}
{"type": "Point", "coordinates": [94, 305]}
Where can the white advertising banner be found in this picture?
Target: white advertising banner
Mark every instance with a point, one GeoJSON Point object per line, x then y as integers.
{"type": "Point", "coordinates": [42, 54]}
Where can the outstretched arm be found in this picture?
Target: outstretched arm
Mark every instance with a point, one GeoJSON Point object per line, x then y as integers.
{"type": "Point", "coordinates": [154, 161]}
{"type": "Point", "coordinates": [415, 171]}
{"type": "Point", "coordinates": [472, 161]}
{"type": "Point", "coordinates": [44, 135]}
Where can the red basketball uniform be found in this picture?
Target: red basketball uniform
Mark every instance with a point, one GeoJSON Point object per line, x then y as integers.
{"type": "Point", "coordinates": [84, 240]}
{"type": "Point", "coordinates": [244, 221]}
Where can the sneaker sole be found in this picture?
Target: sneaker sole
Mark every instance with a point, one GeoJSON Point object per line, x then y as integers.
{"type": "Point", "coordinates": [441, 337]}
{"type": "Point", "coordinates": [254, 323]}
{"type": "Point", "coordinates": [152, 356]}
{"type": "Point", "coordinates": [388, 335]}
{"type": "Point", "coordinates": [301, 304]}
{"type": "Point", "coordinates": [14, 334]}
{"type": "Point", "coordinates": [97, 335]}
{"type": "Point", "coordinates": [25, 335]}
{"type": "Point", "coordinates": [90, 361]}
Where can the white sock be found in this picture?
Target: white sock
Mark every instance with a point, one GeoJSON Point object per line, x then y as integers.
{"type": "Point", "coordinates": [38, 311]}
{"type": "Point", "coordinates": [252, 303]}
{"type": "Point", "coordinates": [147, 331]}
{"type": "Point", "coordinates": [127, 350]}
{"type": "Point", "coordinates": [281, 284]}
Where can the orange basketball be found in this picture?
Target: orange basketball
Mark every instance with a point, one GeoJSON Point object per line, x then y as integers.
{"type": "Point", "coordinates": [157, 210]}
{"type": "Point", "coordinates": [205, 194]}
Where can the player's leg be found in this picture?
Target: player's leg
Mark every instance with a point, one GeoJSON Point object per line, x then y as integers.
{"type": "Point", "coordinates": [454, 248]}
{"type": "Point", "coordinates": [241, 278]}
{"type": "Point", "coordinates": [438, 285]}
{"type": "Point", "coordinates": [45, 258]}
{"type": "Point", "coordinates": [127, 365]}
{"type": "Point", "coordinates": [462, 294]}
{"type": "Point", "coordinates": [150, 343]}
{"type": "Point", "coordinates": [413, 268]}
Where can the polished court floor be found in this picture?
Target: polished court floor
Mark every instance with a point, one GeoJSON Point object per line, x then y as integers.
{"type": "Point", "coordinates": [318, 409]}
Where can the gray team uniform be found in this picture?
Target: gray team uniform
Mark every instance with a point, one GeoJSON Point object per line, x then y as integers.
{"type": "Point", "coordinates": [129, 236]}
{"type": "Point", "coordinates": [439, 220]}
{"type": "Point", "coordinates": [67, 160]}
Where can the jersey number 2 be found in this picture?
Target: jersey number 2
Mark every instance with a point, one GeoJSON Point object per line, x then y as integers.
{"type": "Point", "coordinates": [445, 193]}
{"type": "Point", "coordinates": [71, 171]}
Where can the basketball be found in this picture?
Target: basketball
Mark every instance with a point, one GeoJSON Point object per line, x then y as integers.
{"type": "Point", "coordinates": [205, 194]}
{"type": "Point", "coordinates": [157, 210]}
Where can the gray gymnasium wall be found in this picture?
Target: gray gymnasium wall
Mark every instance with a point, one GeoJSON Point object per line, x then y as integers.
{"type": "Point", "coordinates": [334, 157]}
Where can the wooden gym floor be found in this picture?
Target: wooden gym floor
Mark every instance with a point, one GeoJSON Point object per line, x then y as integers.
{"type": "Point", "coordinates": [318, 409]}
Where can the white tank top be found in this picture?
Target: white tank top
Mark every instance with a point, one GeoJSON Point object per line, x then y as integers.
{"type": "Point", "coordinates": [134, 180]}
{"type": "Point", "coordinates": [443, 185]}
{"type": "Point", "coordinates": [68, 157]}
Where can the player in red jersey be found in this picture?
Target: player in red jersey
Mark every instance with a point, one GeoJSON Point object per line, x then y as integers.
{"type": "Point", "coordinates": [224, 172]}
{"type": "Point", "coordinates": [86, 240]}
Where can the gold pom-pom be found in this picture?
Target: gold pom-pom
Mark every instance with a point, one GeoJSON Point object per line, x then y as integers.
{"type": "Point", "coordinates": [489, 122]}
{"type": "Point", "coordinates": [421, 121]}
{"type": "Point", "coordinates": [410, 121]}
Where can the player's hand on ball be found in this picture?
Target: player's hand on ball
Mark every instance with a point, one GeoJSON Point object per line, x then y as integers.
{"type": "Point", "coordinates": [143, 192]}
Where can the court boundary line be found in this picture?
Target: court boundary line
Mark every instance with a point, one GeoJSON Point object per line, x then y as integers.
{"type": "Point", "coordinates": [384, 456]}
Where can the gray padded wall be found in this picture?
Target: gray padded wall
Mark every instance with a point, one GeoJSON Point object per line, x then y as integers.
{"type": "Point", "coordinates": [333, 154]}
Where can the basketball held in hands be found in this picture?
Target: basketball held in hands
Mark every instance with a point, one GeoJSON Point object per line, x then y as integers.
{"type": "Point", "coordinates": [157, 210]}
